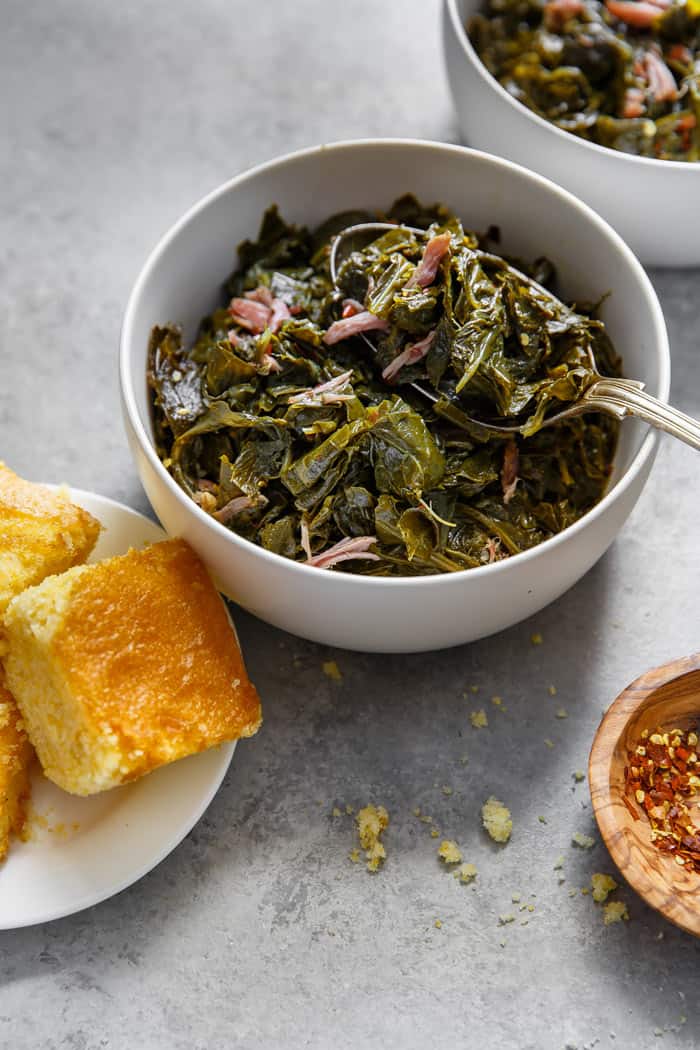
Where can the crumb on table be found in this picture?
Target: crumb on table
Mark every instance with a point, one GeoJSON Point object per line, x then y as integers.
{"type": "Point", "coordinates": [497, 819]}
{"type": "Point", "coordinates": [449, 851]}
{"type": "Point", "coordinates": [371, 822]}
{"type": "Point", "coordinates": [331, 670]}
{"type": "Point", "coordinates": [615, 911]}
{"type": "Point", "coordinates": [602, 885]}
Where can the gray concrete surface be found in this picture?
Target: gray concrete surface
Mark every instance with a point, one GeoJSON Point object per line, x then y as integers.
{"type": "Point", "coordinates": [258, 931]}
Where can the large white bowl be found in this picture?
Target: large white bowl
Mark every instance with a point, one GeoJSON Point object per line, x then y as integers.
{"type": "Point", "coordinates": [653, 204]}
{"type": "Point", "coordinates": [181, 281]}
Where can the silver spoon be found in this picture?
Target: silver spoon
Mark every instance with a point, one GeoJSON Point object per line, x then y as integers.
{"type": "Point", "coordinates": [612, 396]}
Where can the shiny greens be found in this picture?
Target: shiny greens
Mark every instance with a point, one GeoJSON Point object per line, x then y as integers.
{"type": "Point", "coordinates": [624, 74]}
{"type": "Point", "coordinates": [299, 446]}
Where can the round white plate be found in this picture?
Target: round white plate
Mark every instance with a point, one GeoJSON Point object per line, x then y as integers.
{"type": "Point", "coordinates": [83, 850]}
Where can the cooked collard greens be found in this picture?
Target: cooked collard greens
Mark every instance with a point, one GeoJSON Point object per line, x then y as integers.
{"type": "Point", "coordinates": [624, 73]}
{"type": "Point", "coordinates": [281, 423]}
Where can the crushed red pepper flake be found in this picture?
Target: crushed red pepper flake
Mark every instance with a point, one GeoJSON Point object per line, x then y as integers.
{"type": "Point", "coordinates": [662, 777]}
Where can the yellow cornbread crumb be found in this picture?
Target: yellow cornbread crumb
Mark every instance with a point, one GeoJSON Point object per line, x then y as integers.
{"type": "Point", "coordinates": [497, 701]}
{"type": "Point", "coordinates": [503, 920]}
{"type": "Point", "coordinates": [354, 855]}
{"type": "Point", "coordinates": [615, 911]}
{"type": "Point", "coordinates": [578, 775]}
{"type": "Point", "coordinates": [331, 670]}
{"type": "Point", "coordinates": [562, 713]}
{"type": "Point", "coordinates": [449, 851]}
{"type": "Point", "coordinates": [335, 812]}
{"type": "Point", "coordinates": [38, 825]}
{"type": "Point", "coordinates": [446, 790]}
{"type": "Point", "coordinates": [478, 719]}
{"type": "Point", "coordinates": [548, 743]}
{"type": "Point", "coordinates": [552, 690]}
{"type": "Point", "coordinates": [349, 809]}
{"type": "Point", "coordinates": [602, 886]}
{"type": "Point", "coordinates": [438, 924]}
{"type": "Point", "coordinates": [536, 638]}
{"type": "Point", "coordinates": [496, 819]}
{"type": "Point", "coordinates": [466, 873]}
{"type": "Point", "coordinates": [434, 833]}
{"type": "Point", "coordinates": [581, 840]}
{"type": "Point", "coordinates": [371, 822]}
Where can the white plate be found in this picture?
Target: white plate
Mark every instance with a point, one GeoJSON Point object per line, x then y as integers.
{"type": "Point", "coordinates": [83, 850]}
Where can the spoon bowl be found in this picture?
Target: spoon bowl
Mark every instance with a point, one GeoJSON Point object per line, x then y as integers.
{"type": "Point", "coordinates": [666, 697]}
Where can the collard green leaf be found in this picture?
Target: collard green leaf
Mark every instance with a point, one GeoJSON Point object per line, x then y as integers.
{"type": "Point", "coordinates": [306, 471]}
{"type": "Point", "coordinates": [404, 454]}
{"type": "Point", "coordinates": [175, 380]}
{"type": "Point", "coordinates": [280, 536]}
{"type": "Point", "coordinates": [353, 511]}
{"type": "Point", "coordinates": [226, 369]}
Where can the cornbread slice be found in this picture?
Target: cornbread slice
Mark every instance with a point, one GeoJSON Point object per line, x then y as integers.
{"type": "Point", "coordinates": [122, 666]}
{"type": "Point", "coordinates": [41, 532]}
{"type": "Point", "coordinates": [16, 755]}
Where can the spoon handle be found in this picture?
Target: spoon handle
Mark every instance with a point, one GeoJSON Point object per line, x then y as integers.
{"type": "Point", "coordinates": [635, 402]}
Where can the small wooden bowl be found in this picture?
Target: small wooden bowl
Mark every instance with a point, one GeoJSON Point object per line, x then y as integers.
{"type": "Point", "coordinates": [665, 697]}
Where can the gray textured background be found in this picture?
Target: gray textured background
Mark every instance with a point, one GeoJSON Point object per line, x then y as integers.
{"type": "Point", "coordinates": [257, 931]}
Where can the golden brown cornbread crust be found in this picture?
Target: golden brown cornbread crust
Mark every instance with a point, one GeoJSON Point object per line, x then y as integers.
{"type": "Point", "coordinates": [147, 645]}
{"type": "Point", "coordinates": [41, 533]}
{"type": "Point", "coordinates": [16, 754]}
{"type": "Point", "coordinates": [135, 658]}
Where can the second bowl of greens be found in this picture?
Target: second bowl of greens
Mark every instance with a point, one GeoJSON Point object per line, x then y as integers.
{"type": "Point", "coordinates": [604, 98]}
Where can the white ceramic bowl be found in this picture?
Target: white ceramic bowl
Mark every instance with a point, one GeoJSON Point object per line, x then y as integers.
{"type": "Point", "coordinates": [181, 280]}
{"type": "Point", "coordinates": [653, 204]}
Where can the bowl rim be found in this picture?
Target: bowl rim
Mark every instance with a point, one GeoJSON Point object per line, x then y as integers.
{"type": "Point", "coordinates": [145, 442]}
{"type": "Point", "coordinates": [460, 32]}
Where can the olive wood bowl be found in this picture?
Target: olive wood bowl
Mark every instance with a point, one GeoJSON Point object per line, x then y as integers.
{"type": "Point", "coordinates": [665, 697]}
